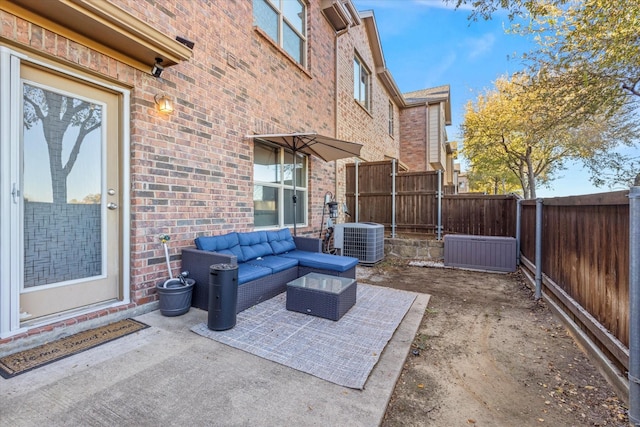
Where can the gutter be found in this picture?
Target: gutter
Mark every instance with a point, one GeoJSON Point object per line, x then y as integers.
{"type": "Point", "coordinates": [337, 104]}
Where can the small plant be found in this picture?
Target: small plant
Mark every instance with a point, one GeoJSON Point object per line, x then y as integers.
{"type": "Point", "coordinates": [419, 344]}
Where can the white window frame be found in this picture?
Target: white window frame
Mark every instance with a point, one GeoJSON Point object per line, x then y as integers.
{"type": "Point", "coordinates": [301, 190]}
{"type": "Point", "coordinates": [277, 7]}
{"type": "Point", "coordinates": [361, 83]}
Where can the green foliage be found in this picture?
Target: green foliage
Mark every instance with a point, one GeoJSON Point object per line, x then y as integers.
{"type": "Point", "coordinates": [530, 125]}
{"type": "Point", "coordinates": [484, 9]}
{"type": "Point", "coordinates": [587, 71]}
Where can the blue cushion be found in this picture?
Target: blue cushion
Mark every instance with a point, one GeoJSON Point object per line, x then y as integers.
{"type": "Point", "coordinates": [235, 251]}
{"type": "Point", "coordinates": [322, 261]}
{"type": "Point", "coordinates": [217, 243]}
{"type": "Point", "coordinates": [248, 272]}
{"type": "Point", "coordinates": [281, 241]}
{"type": "Point", "coordinates": [254, 245]}
{"type": "Point", "coordinates": [226, 244]}
{"type": "Point", "coordinates": [275, 263]}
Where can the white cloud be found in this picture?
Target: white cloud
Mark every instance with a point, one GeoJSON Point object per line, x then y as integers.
{"type": "Point", "coordinates": [478, 46]}
{"type": "Point", "coordinates": [438, 70]}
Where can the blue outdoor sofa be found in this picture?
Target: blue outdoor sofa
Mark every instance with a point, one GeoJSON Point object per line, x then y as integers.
{"type": "Point", "coordinates": [266, 260]}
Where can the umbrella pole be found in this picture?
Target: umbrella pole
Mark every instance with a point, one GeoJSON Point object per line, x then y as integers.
{"type": "Point", "coordinates": [295, 195]}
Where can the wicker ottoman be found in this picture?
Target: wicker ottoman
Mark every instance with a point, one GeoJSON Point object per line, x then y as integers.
{"type": "Point", "coordinates": [321, 295]}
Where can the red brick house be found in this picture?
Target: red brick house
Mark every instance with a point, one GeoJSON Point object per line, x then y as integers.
{"type": "Point", "coordinates": [425, 145]}
{"type": "Point", "coordinates": [94, 167]}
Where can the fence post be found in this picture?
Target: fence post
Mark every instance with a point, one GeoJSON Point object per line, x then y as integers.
{"type": "Point", "coordinates": [518, 228]}
{"type": "Point", "coordinates": [393, 198]}
{"type": "Point", "coordinates": [539, 203]}
{"type": "Point", "coordinates": [634, 304]}
{"type": "Point", "coordinates": [439, 204]}
{"type": "Point", "coordinates": [357, 217]}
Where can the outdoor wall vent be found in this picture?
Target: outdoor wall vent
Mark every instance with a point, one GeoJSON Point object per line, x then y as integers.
{"type": "Point", "coordinates": [336, 14]}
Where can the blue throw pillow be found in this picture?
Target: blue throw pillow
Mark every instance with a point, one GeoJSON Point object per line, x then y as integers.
{"type": "Point", "coordinates": [281, 241]}
{"type": "Point", "coordinates": [226, 244]}
{"type": "Point", "coordinates": [254, 245]}
{"type": "Point", "coordinates": [217, 243]}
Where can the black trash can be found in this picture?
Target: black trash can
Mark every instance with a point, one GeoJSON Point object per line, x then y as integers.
{"type": "Point", "coordinates": [223, 296]}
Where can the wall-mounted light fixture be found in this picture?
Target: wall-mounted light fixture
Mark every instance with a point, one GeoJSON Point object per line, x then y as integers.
{"type": "Point", "coordinates": [157, 68]}
{"type": "Point", "coordinates": [164, 103]}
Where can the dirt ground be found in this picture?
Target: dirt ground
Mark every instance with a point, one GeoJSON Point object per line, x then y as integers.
{"type": "Point", "coordinates": [488, 354]}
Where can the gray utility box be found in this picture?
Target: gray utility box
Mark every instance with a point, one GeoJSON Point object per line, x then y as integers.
{"type": "Point", "coordinates": [480, 252]}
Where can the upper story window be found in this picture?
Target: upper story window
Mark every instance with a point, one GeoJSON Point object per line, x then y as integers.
{"type": "Point", "coordinates": [361, 82]}
{"type": "Point", "coordinates": [391, 118]}
{"type": "Point", "coordinates": [285, 22]}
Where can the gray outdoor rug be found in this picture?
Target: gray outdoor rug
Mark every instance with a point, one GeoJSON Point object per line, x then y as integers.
{"type": "Point", "coordinates": [343, 352]}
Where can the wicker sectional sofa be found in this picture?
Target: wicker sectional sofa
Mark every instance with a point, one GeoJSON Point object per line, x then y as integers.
{"type": "Point", "coordinates": [266, 261]}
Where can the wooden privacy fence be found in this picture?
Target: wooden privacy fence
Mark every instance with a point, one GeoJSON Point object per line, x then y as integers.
{"type": "Point", "coordinates": [585, 241]}
{"type": "Point", "coordinates": [416, 203]}
{"type": "Point", "coordinates": [585, 263]}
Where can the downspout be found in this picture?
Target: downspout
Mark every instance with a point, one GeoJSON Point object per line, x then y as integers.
{"type": "Point", "coordinates": [357, 194]}
{"type": "Point", "coordinates": [393, 198]}
{"type": "Point", "coordinates": [634, 303]}
{"type": "Point", "coordinates": [539, 203]}
{"type": "Point", "coordinates": [439, 204]}
{"type": "Point", "coordinates": [426, 139]}
{"type": "Point", "coordinates": [455, 180]}
{"type": "Point", "coordinates": [518, 229]}
{"type": "Point", "coordinates": [335, 110]}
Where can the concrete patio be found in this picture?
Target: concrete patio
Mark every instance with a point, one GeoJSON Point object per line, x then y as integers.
{"type": "Point", "coordinates": [167, 375]}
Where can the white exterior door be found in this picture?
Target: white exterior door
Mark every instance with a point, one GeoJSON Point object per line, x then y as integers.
{"type": "Point", "coordinates": [63, 195]}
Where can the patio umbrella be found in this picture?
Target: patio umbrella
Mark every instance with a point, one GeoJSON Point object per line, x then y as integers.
{"type": "Point", "coordinates": [323, 147]}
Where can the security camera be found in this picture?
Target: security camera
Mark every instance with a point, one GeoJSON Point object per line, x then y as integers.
{"type": "Point", "coordinates": [157, 69]}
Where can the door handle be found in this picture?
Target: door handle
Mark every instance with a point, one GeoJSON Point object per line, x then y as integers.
{"type": "Point", "coordinates": [15, 193]}
{"type": "Point", "coordinates": [112, 206]}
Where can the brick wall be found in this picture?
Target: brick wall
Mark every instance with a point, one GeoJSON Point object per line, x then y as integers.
{"type": "Point", "coordinates": [191, 172]}
{"type": "Point", "coordinates": [355, 123]}
{"type": "Point", "coordinates": [195, 177]}
{"type": "Point", "coordinates": [413, 134]}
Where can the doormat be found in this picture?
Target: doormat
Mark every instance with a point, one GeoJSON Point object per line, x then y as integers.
{"type": "Point", "coordinates": [27, 360]}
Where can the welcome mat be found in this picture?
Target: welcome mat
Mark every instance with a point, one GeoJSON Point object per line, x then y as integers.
{"type": "Point", "coordinates": [27, 360]}
{"type": "Point", "coordinates": [343, 352]}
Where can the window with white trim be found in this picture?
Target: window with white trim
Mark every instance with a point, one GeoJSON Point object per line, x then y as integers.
{"type": "Point", "coordinates": [273, 173]}
{"type": "Point", "coordinates": [285, 21]}
{"type": "Point", "coordinates": [361, 82]}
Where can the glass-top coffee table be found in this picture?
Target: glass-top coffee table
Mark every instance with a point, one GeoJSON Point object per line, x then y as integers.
{"type": "Point", "coordinates": [321, 295]}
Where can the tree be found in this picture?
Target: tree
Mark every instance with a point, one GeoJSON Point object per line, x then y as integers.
{"type": "Point", "coordinates": [58, 113]}
{"type": "Point", "coordinates": [590, 48]}
{"type": "Point", "coordinates": [531, 128]}
{"type": "Point", "coordinates": [599, 39]}
{"type": "Point", "coordinates": [484, 9]}
{"type": "Point", "coordinates": [492, 181]}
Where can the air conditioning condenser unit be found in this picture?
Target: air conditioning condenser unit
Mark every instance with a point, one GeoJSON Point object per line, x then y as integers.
{"type": "Point", "coordinates": [362, 240]}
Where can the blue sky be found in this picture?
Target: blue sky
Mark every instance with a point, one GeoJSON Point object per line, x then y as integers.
{"type": "Point", "coordinates": [426, 43]}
